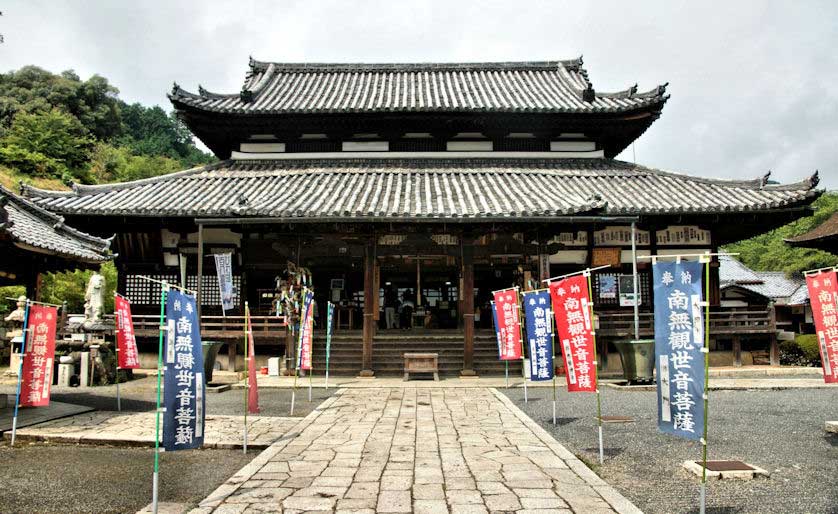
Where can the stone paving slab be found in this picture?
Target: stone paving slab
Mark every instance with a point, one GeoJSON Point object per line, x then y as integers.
{"type": "Point", "coordinates": [458, 450]}
{"type": "Point", "coordinates": [33, 415]}
{"type": "Point", "coordinates": [137, 429]}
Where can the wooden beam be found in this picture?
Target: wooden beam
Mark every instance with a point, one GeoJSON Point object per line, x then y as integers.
{"type": "Point", "coordinates": [369, 303]}
{"type": "Point", "coordinates": [468, 310]}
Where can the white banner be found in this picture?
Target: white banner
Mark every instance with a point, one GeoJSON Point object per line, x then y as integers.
{"type": "Point", "coordinates": [224, 270]}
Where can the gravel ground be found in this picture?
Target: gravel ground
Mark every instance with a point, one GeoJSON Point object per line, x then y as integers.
{"type": "Point", "coordinates": [48, 478]}
{"type": "Point", "coordinates": [780, 431]}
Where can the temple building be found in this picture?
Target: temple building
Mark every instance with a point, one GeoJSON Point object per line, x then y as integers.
{"type": "Point", "coordinates": [424, 186]}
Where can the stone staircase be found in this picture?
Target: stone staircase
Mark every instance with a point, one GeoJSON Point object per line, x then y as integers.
{"type": "Point", "coordinates": [389, 347]}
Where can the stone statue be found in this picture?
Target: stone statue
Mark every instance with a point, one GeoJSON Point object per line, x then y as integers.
{"type": "Point", "coordinates": [18, 314]}
{"type": "Point", "coordinates": [93, 299]}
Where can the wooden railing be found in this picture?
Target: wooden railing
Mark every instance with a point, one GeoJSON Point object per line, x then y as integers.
{"type": "Point", "coordinates": [722, 322]}
{"type": "Point", "coordinates": [148, 325]}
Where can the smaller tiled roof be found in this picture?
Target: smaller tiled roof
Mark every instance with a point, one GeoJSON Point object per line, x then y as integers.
{"type": "Point", "coordinates": [415, 188]}
{"type": "Point", "coordinates": [773, 285]}
{"type": "Point", "coordinates": [501, 87]}
{"type": "Point", "coordinates": [33, 227]}
{"type": "Point", "coordinates": [824, 233]}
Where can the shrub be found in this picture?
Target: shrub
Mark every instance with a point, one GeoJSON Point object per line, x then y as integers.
{"type": "Point", "coordinates": [802, 351]}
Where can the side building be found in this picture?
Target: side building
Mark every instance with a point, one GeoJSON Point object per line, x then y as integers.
{"type": "Point", "coordinates": [421, 184]}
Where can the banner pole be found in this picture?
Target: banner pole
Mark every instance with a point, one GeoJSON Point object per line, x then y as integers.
{"type": "Point", "coordinates": [311, 354]}
{"type": "Point", "coordinates": [706, 350]}
{"type": "Point", "coordinates": [155, 476]}
{"type": "Point", "coordinates": [299, 348]}
{"type": "Point", "coordinates": [116, 345]}
{"type": "Point", "coordinates": [507, 373]}
{"type": "Point", "coordinates": [24, 335]}
{"type": "Point", "coordinates": [520, 297]}
{"type": "Point", "coordinates": [246, 369]}
{"type": "Point", "coordinates": [596, 364]}
{"type": "Point", "coordinates": [329, 308]}
{"type": "Point", "coordinates": [553, 346]}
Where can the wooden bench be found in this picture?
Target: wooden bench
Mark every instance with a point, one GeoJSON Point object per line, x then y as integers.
{"type": "Point", "coordinates": [421, 363]}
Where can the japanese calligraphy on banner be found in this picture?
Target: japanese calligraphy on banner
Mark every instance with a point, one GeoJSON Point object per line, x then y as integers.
{"type": "Point", "coordinates": [306, 330]}
{"type": "Point", "coordinates": [823, 293]}
{"type": "Point", "coordinates": [224, 271]}
{"type": "Point", "coordinates": [539, 334]}
{"type": "Point", "coordinates": [575, 328]}
{"type": "Point", "coordinates": [126, 343]}
{"type": "Point", "coordinates": [508, 324]}
{"type": "Point", "coordinates": [183, 390]}
{"type": "Point", "coordinates": [679, 338]}
{"type": "Point", "coordinates": [330, 312]}
{"type": "Point", "coordinates": [252, 387]}
{"type": "Point", "coordinates": [495, 325]}
{"type": "Point", "coordinates": [39, 355]}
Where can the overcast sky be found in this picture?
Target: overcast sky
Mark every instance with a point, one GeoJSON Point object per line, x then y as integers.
{"type": "Point", "coordinates": [754, 84]}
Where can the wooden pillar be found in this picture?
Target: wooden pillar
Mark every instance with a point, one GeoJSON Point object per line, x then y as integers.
{"type": "Point", "coordinates": [774, 355]}
{"type": "Point", "coordinates": [737, 351]}
{"type": "Point", "coordinates": [468, 310]}
{"type": "Point", "coordinates": [369, 304]}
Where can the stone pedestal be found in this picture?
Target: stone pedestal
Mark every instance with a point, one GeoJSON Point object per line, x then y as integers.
{"type": "Point", "coordinates": [65, 371]}
{"type": "Point", "coordinates": [84, 374]}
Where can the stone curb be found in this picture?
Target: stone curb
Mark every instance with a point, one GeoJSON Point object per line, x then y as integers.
{"type": "Point", "coordinates": [208, 504]}
{"type": "Point", "coordinates": [695, 468]}
{"type": "Point", "coordinates": [616, 500]}
{"type": "Point", "coordinates": [831, 426]}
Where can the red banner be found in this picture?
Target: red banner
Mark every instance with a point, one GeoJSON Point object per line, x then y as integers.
{"type": "Point", "coordinates": [252, 390]}
{"type": "Point", "coordinates": [307, 333]}
{"type": "Point", "coordinates": [509, 324]}
{"type": "Point", "coordinates": [126, 343]}
{"type": "Point", "coordinates": [38, 356]}
{"type": "Point", "coordinates": [572, 308]}
{"type": "Point", "coordinates": [823, 295]}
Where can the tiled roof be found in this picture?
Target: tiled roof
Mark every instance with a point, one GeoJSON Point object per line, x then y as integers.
{"type": "Point", "coordinates": [385, 189]}
{"type": "Point", "coordinates": [507, 87]}
{"type": "Point", "coordinates": [826, 230]}
{"type": "Point", "coordinates": [30, 225]}
{"type": "Point", "coordinates": [774, 285]}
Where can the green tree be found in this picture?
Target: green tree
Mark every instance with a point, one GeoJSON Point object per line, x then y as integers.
{"type": "Point", "coordinates": [768, 252]}
{"type": "Point", "coordinates": [70, 286]}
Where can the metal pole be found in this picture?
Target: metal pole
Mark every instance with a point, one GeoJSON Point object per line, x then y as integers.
{"type": "Point", "coordinates": [706, 351]}
{"type": "Point", "coordinates": [635, 285]}
{"type": "Point", "coordinates": [117, 322]}
{"type": "Point", "coordinates": [246, 369]}
{"type": "Point", "coordinates": [24, 336]}
{"type": "Point", "coordinates": [199, 287]}
{"type": "Point", "coordinates": [507, 373]}
{"type": "Point", "coordinates": [118, 398]}
{"type": "Point", "coordinates": [520, 298]}
{"type": "Point", "coordinates": [154, 489]}
{"type": "Point", "coordinates": [553, 346]}
{"type": "Point", "coordinates": [596, 363]}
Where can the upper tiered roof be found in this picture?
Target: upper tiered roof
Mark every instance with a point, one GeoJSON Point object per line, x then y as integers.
{"type": "Point", "coordinates": [494, 87]}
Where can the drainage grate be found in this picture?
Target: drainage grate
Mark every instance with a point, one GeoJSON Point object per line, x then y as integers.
{"type": "Point", "coordinates": [727, 465]}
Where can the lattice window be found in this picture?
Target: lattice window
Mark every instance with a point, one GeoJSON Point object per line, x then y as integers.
{"type": "Point", "coordinates": [210, 294]}
{"type": "Point", "coordinates": [144, 292]}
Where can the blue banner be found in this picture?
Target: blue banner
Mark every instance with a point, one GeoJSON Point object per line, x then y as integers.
{"type": "Point", "coordinates": [539, 334]}
{"type": "Point", "coordinates": [183, 376]}
{"type": "Point", "coordinates": [679, 338]}
{"type": "Point", "coordinates": [330, 309]}
{"type": "Point", "coordinates": [495, 325]}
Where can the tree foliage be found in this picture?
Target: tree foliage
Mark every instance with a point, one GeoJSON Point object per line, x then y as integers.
{"type": "Point", "coordinates": [70, 286]}
{"type": "Point", "coordinates": [768, 252]}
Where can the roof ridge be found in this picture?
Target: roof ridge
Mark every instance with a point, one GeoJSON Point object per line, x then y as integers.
{"type": "Point", "coordinates": [257, 66]}
{"type": "Point", "coordinates": [758, 183]}
{"type": "Point", "coordinates": [81, 189]}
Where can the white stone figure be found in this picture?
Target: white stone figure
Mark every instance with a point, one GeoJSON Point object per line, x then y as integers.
{"type": "Point", "coordinates": [93, 298]}
{"type": "Point", "coordinates": [18, 314]}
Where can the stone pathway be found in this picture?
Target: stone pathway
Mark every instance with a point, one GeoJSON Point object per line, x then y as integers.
{"type": "Point", "coordinates": [416, 450]}
{"type": "Point", "coordinates": [137, 429]}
